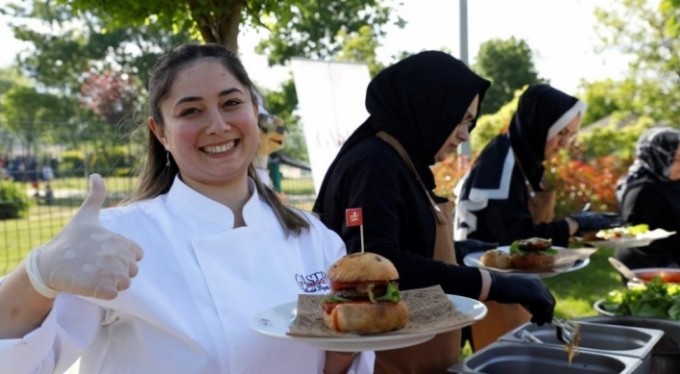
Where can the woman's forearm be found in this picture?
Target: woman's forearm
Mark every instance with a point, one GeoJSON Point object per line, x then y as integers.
{"type": "Point", "coordinates": [338, 362]}
{"type": "Point", "coordinates": [22, 308]}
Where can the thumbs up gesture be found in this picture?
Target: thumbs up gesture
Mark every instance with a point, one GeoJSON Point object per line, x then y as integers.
{"type": "Point", "coordinates": [85, 258]}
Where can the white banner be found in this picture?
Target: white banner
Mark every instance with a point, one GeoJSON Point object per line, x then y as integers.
{"type": "Point", "coordinates": [331, 98]}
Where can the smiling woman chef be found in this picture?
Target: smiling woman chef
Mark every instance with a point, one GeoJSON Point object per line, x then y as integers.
{"type": "Point", "coordinates": [200, 215]}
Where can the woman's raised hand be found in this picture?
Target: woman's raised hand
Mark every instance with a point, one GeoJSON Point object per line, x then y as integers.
{"type": "Point", "coordinates": [85, 258]}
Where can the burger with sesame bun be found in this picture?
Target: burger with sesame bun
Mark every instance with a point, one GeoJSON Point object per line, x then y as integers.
{"type": "Point", "coordinates": [364, 295]}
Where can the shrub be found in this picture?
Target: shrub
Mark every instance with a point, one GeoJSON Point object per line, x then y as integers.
{"type": "Point", "coordinates": [447, 174]}
{"type": "Point", "coordinates": [578, 182]}
{"type": "Point", "coordinates": [116, 161]}
{"type": "Point", "coordinates": [72, 163]}
{"type": "Point", "coordinates": [575, 179]}
{"type": "Point", "coordinates": [13, 201]}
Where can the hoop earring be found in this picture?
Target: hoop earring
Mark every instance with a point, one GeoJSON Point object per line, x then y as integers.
{"type": "Point", "coordinates": [167, 159]}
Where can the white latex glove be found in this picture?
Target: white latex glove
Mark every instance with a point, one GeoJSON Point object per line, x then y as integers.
{"type": "Point", "coordinates": [85, 258]}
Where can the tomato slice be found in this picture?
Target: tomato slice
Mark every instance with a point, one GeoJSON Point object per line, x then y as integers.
{"type": "Point", "coordinates": [335, 286]}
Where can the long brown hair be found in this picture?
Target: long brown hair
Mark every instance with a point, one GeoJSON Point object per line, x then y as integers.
{"type": "Point", "coordinates": [159, 169]}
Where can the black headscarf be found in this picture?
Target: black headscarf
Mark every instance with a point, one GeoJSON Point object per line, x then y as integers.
{"type": "Point", "coordinates": [419, 101]}
{"type": "Point", "coordinates": [655, 153]}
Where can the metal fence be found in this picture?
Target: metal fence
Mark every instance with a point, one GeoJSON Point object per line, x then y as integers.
{"type": "Point", "coordinates": [51, 180]}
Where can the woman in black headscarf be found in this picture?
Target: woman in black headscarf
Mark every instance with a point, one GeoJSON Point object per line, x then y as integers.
{"type": "Point", "coordinates": [650, 194]}
{"type": "Point", "coordinates": [502, 198]}
{"type": "Point", "coordinates": [420, 109]}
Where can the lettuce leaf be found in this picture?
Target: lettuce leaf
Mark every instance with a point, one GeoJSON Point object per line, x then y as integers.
{"type": "Point", "coordinates": [391, 295]}
{"type": "Point", "coordinates": [514, 250]}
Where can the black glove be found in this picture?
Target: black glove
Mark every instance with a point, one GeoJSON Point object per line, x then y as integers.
{"type": "Point", "coordinates": [465, 247]}
{"type": "Point", "coordinates": [591, 221]}
{"type": "Point", "coordinates": [527, 290]}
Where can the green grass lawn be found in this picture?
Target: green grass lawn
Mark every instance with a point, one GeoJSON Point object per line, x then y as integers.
{"type": "Point", "coordinates": [18, 236]}
{"type": "Point", "coordinates": [576, 291]}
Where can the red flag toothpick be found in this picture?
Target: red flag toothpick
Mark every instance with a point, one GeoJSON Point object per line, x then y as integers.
{"type": "Point", "coordinates": [354, 217]}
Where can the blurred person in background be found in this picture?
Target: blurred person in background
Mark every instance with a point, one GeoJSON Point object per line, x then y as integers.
{"type": "Point", "coordinates": [650, 194]}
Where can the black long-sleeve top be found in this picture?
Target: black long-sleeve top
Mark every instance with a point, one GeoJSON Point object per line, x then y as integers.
{"type": "Point", "coordinates": [657, 205]}
{"type": "Point", "coordinates": [397, 218]}
{"type": "Point", "coordinates": [504, 221]}
{"type": "Point", "coordinates": [505, 216]}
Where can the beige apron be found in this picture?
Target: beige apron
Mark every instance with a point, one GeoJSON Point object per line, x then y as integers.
{"type": "Point", "coordinates": [442, 351]}
{"type": "Point", "coordinates": [502, 318]}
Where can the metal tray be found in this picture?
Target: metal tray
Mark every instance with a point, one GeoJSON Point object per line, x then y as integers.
{"type": "Point", "coordinates": [665, 353]}
{"type": "Point", "coordinates": [621, 340]}
{"type": "Point", "coordinates": [512, 357]}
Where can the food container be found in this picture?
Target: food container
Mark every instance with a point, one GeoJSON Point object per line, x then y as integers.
{"type": "Point", "coordinates": [620, 340]}
{"type": "Point", "coordinates": [513, 357]}
{"type": "Point", "coordinates": [598, 306]}
{"type": "Point", "coordinates": [666, 352]}
{"type": "Point", "coordinates": [667, 275]}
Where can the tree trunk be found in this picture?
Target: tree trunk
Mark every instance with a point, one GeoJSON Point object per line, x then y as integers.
{"type": "Point", "coordinates": [221, 24]}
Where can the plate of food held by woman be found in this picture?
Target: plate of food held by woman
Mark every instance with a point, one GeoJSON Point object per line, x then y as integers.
{"type": "Point", "coordinates": [531, 256]}
{"type": "Point", "coordinates": [431, 312]}
{"type": "Point", "coordinates": [366, 311]}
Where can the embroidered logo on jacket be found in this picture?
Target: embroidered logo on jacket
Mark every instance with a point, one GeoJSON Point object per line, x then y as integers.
{"type": "Point", "coordinates": [314, 282]}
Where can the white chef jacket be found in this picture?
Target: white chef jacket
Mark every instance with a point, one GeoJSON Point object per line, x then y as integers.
{"type": "Point", "coordinates": [187, 310]}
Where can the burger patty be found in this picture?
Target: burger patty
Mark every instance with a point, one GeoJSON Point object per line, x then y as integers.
{"type": "Point", "coordinates": [358, 293]}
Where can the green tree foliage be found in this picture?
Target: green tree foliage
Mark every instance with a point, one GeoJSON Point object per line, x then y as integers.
{"type": "Point", "coordinates": [490, 125]}
{"type": "Point", "coordinates": [616, 137]}
{"type": "Point", "coordinates": [214, 21]}
{"type": "Point", "coordinates": [30, 114]}
{"type": "Point", "coordinates": [316, 29]}
{"type": "Point", "coordinates": [93, 74]}
{"type": "Point", "coordinates": [648, 33]}
{"type": "Point", "coordinates": [361, 47]}
{"type": "Point", "coordinates": [10, 77]}
{"type": "Point", "coordinates": [607, 96]}
{"type": "Point", "coordinates": [298, 28]}
{"type": "Point", "coordinates": [509, 65]}
{"type": "Point", "coordinates": [672, 23]}
{"type": "Point", "coordinates": [67, 45]}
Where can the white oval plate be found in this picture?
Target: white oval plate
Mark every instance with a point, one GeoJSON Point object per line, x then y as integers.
{"type": "Point", "coordinates": [275, 322]}
{"type": "Point", "coordinates": [641, 240]}
{"type": "Point", "coordinates": [474, 259]}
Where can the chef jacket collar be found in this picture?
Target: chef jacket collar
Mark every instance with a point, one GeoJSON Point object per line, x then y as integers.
{"type": "Point", "coordinates": [191, 201]}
